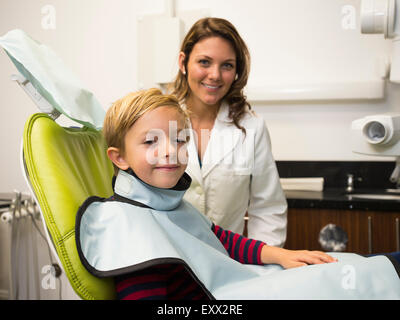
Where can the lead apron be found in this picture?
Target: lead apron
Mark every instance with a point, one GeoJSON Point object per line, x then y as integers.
{"type": "Point", "coordinates": [124, 234]}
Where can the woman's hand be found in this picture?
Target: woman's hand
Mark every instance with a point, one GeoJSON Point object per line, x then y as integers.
{"type": "Point", "coordinates": [293, 258]}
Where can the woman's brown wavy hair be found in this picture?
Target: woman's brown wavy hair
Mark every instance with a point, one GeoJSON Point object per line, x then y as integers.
{"type": "Point", "coordinates": [217, 27]}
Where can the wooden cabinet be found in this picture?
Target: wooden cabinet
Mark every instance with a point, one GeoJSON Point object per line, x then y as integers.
{"type": "Point", "coordinates": [367, 231]}
{"type": "Point", "coordinates": [385, 231]}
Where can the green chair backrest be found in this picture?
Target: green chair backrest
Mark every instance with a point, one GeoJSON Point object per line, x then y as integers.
{"type": "Point", "coordinates": [65, 166]}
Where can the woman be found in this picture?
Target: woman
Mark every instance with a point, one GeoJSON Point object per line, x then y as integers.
{"type": "Point", "coordinates": [230, 159]}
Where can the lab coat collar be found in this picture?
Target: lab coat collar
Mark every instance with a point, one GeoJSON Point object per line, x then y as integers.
{"type": "Point", "coordinates": [223, 113]}
{"type": "Point", "coordinates": [193, 168]}
{"type": "Point", "coordinates": [224, 138]}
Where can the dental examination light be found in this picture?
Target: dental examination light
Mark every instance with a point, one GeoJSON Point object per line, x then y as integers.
{"type": "Point", "coordinates": [379, 134]}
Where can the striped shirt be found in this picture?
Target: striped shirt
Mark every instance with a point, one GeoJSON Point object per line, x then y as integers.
{"type": "Point", "coordinates": [174, 281]}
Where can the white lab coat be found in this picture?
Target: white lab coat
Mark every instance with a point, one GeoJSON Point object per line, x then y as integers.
{"type": "Point", "coordinates": [239, 174]}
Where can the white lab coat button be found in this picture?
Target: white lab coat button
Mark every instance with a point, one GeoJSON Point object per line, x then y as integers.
{"type": "Point", "coordinates": [199, 190]}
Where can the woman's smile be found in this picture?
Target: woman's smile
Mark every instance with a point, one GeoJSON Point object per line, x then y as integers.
{"type": "Point", "coordinates": [211, 87]}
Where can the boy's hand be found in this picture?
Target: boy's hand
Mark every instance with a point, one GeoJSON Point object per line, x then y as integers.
{"type": "Point", "coordinates": [293, 258]}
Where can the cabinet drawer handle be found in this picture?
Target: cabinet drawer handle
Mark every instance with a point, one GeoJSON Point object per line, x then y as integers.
{"type": "Point", "coordinates": [397, 235]}
{"type": "Point", "coordinates": [369, 235]}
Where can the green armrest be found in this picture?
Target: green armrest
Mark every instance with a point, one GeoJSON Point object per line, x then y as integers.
{"type": "Point", "coordinates": [65, 166]}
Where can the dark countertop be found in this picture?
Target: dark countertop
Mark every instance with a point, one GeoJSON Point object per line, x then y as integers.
{"type": "Point", "coordinates": [5, 203]}
{"type": "Point", "coordinates": [335, 198]}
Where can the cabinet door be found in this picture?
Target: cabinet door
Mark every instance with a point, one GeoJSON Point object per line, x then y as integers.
{"type": "Point", "coordinates": [385, 232]}
{"type": "Point", "coordinates": [304, 226]}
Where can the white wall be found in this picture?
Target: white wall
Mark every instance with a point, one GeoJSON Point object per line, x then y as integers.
{"type": "Point", "coordinates": [291, 41]}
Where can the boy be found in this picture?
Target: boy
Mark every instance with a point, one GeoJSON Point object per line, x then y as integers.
{"type": "Point", "coordinates": [156, 245]}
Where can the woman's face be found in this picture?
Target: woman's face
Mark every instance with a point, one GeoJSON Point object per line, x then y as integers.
{"type": "Point", "coordinates": [211, 70]}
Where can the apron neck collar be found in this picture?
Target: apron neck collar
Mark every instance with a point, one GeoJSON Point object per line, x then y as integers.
{"type": "Point", "coordinates": [129, 185]}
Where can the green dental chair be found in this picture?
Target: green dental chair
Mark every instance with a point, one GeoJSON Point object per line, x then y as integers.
{"type": "Point", "coordinates": [64, 166]}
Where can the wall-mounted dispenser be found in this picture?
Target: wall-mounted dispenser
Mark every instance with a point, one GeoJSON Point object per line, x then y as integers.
{"type": "Point", "coordinates": [159, 41]}
{"type": "Point", "coordinates": [168, 32]}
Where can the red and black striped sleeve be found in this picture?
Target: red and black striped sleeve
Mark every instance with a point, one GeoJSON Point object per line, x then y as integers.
{"type": "Point", "coordinates": [160, 282]}
{"type": "Point", "coordinates": [148, 284]}
{"type": "Point", "coordinates": [241, 249]}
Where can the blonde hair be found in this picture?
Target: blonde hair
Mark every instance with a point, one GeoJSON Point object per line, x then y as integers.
{"type": "Point", "coordinates": [126, 111]}
{"type": "Point", "coordinates": [217, 27]}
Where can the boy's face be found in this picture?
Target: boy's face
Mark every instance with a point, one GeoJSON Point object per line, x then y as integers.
{"type": "Point", "coordinates": [155, 148]}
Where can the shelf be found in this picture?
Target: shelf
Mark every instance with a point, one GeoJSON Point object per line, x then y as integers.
{"type": "Point", "coordinates": [350, 90]}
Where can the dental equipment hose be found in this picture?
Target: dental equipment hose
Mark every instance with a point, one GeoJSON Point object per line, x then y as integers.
{"type": "Point", "coordinates": [16, 205]}
{"type": "Point", "coordinates": [395, 176]}
{"type": "Point", "coordinates": [13, 215]}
